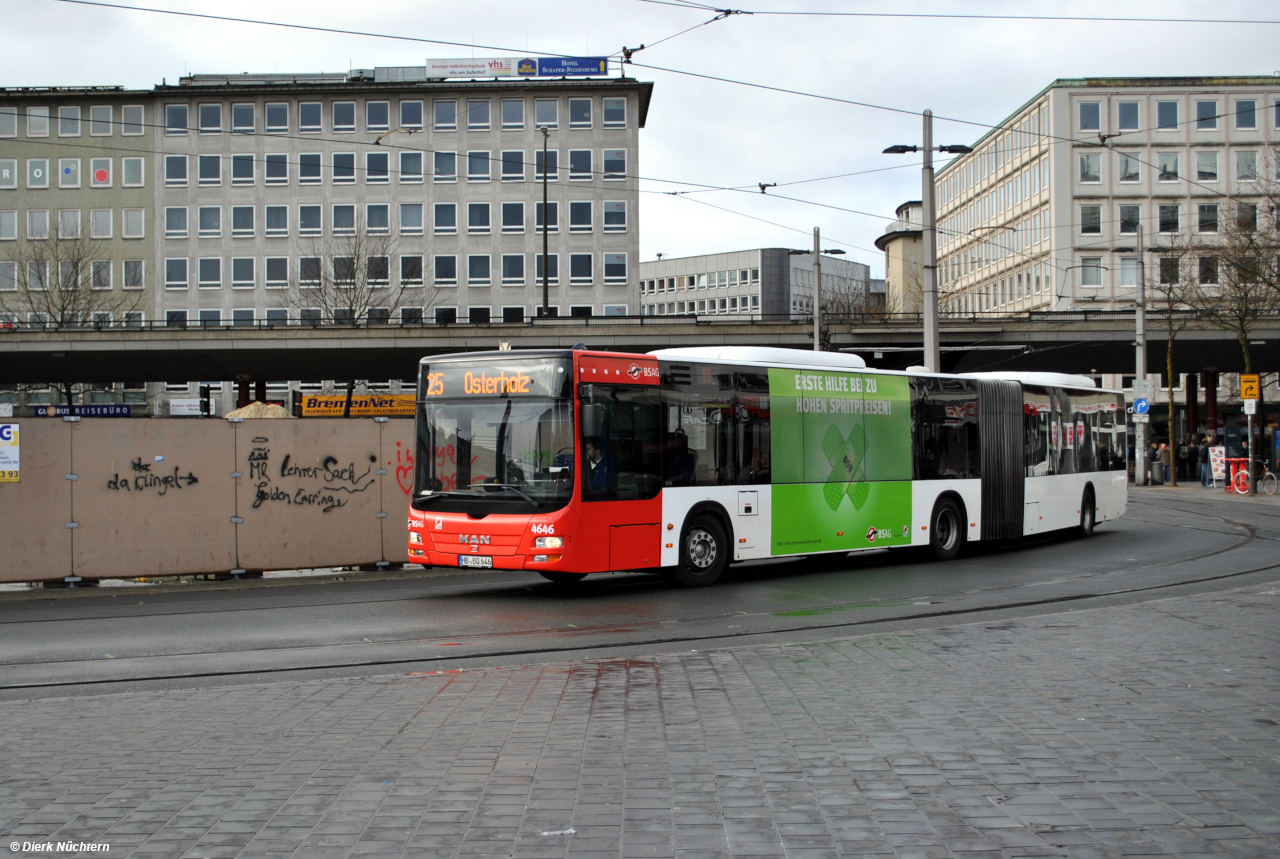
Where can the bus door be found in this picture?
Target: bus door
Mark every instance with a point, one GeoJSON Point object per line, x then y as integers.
{"type": "Point", "coordinates": [620, 478]}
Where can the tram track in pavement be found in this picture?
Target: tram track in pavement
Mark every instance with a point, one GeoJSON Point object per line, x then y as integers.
{"type": "Point", "coordinates": [578, 637]}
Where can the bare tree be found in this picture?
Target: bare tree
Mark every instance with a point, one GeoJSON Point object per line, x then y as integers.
{"type": "Point", "coordinates": [64, 279]}
{"type": "Point", "coordinates": [1169, 287]}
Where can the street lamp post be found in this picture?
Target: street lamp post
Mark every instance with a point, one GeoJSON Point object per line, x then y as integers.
{"type": "Point", "coordinates": [546, 230]}
{"type": "Point", "coordinates": [817, 284]}
{"type": "Point", "coordinates": [932, 353]}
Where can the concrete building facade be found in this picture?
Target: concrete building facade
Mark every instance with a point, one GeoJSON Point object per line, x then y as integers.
{"type": "Point", "coordinates": [763, 283]}
{"type": "Point", "coordinates": [1044, 213]}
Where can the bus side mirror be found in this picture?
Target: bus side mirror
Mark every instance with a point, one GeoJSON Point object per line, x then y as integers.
{"type": "Point", "coordinates": [592, 420]}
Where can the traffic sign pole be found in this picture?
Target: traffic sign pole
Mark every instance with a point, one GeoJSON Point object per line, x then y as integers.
{"type": "Point", "coordinates": [1250, 393]}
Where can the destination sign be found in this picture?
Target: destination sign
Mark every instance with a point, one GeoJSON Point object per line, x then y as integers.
{"type": "Point", "coordinates": [495, 378]}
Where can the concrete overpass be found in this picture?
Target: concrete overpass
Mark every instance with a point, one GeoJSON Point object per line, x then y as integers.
{"type": "Point", "coordinates": [1081, 342]}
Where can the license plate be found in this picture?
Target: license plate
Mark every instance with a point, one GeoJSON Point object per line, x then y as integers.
{"type": "Point", "coordinates": [475, 561]}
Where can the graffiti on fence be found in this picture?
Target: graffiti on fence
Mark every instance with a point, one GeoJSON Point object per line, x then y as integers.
{"type": "Point", "coordinates": [141, 478]}
{"type": "Point", "coordinates": [334, 477]}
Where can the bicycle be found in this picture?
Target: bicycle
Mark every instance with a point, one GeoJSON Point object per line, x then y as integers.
{"type": "Point", "coordinates": [1267, 481]}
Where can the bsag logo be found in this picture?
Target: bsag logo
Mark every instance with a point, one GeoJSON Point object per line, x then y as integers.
{"type": "Point", "coordinates": [634, 371]}
{"type": "Point", "coordinates": [871, 535]}
{"type": "Point", "coordinates": [874, 534]}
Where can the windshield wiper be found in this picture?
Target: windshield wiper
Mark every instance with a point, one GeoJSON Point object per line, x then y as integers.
{"type": "Point", "coordinates": [514, 488]}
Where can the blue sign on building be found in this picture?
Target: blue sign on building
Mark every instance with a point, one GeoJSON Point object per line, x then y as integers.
{"type": "Point", "coordinates": [554, 67]}
{"type": "Point", "coordinates": [96, 410]}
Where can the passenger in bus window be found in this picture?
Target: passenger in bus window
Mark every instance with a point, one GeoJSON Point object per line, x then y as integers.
{"type": "Point", "coordinates": [598, 468]}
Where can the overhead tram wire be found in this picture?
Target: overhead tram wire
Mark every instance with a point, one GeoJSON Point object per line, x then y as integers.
{"type": "Point", "coordinates": [765, 221]}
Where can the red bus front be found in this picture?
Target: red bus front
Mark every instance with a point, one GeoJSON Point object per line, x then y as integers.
{"type": "Point", "coordinates": [540, 460]}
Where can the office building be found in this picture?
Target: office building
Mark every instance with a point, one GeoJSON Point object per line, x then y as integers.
{"type": "Point", "coordinates": [764, 283]}
{"type": "Point", "coordinates": [1044, 214]}
{"type": "Point", "coordinates": [903, 245]}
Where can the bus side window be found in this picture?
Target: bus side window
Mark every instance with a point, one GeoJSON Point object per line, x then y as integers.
{"type": "Point", "coordinates": [1037, 416]}
{"type": "Point", "coordinates": [751, 413]}
{"type": "Point", "coordinates": [625, 462]}
{"type": "Point", "coordinates": [944, 420]}
{"type": "Point", "coordinates": [700, 444]}
{"type": "Point", "coordinates": [1065, 415]}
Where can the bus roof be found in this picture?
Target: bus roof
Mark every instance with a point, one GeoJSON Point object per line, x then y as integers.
{"type": "Point", "coordinates": [772, 356]}
{"type": "Point", "coordinates": [1049, 380]}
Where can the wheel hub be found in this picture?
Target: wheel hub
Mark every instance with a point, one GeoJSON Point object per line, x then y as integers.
{"type": "Point", "coordinates": [701, 547]}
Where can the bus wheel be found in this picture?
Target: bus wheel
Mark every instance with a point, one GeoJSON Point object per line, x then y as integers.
{"type": "Point", "coordinates": [704, 552]}
{"type": "Point", "coordinates": [562, 578]}
{"type": "Point", "coordinates": [946, 530]}
{"type": "Point", "coordinates": [1088, 514]}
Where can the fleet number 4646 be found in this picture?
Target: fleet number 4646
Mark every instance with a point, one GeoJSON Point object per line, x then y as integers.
{"type": "Point", "coordinates": [539, 528]}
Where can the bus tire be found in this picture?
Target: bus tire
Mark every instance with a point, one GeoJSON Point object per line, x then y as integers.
{"type": "Point", "coordinates": [1088, 514]}
{"type": "Point", "coordinates": [704, 552]}
{"type": "Point", "coordinates": [562, 578]}
{"type": "Point", "coordinates": [946, 529]}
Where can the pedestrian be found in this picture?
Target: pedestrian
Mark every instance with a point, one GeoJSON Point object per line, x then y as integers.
{"type": "Point", "coordinates": [1202, 457]}
{"type": "Point", "coordinates": [1164, 461]}
{"type": "Point", "coordinates": [1184, 459]}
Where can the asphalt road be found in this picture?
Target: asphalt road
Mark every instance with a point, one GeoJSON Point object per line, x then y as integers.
{"type": "Point", "coordinates": [1172, 542]}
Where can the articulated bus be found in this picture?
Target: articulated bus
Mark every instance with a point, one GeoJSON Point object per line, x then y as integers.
{"type": "Point", "coordinates": [685, 460]}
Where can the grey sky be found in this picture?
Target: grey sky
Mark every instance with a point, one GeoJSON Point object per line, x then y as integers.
{"type": "Point", "coordinates": [698, 131]}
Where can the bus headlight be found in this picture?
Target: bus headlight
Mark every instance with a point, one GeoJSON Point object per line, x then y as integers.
{"type": "Point", "coordinates": [415, 537]}
{"type": "Point", "coordinates": [548, 542]}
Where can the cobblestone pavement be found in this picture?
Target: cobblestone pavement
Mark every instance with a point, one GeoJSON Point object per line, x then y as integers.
{"type": "Point", "coordinates": [1143, 730]}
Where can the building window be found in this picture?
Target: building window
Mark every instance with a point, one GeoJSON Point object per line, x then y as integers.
{"type": "Point", "coordinates": [277, 169]}
{"type": "Point", "coordinates": [478, 315]}
{"type": "Point", "coordinates": [131, 119]}
{"type": "Point", "coordinates": [411, 270]}
{"type": "Point", "coordinates": [377, 166]}
{"type": "Point", "coordinates": [100, 272]}
{"type": "Point", "coordinates": [1167, 115]}
{"type": "Point", "coordinates": [445, 270]}
{"type": "Point", "coordinates": [546, 113]}
{"type": "Point", "coordinates": [1090, 116]}
{"type": "Point", "coordinates": [446, 115]}
{"type": "Point", "coordinates": [100, 120]}
{"type": "Point", "coordinates": [478, 218]}
{"type": "Point", "coordinates": [309, 273]}
{"type": "Point", "coordinates": [210, 222]}
{"type": "Point", "coordinates": [277, 273]}
{"type": "Point", "coordinates": [242, 274]}
{"type": "Point", "coordinates": [344, 117]}
{"type": "Point", "coordinates": [310, 117]}
{"type": "Point", "coordinates": [210, 118]}
{"type": "Point", "coordinates": [175, 222]}
{"type": "Point", "coordinates": [176, 319]}
{"type": "Point", "coordinates": [377, 219]}
{"type": "Point", "coordinates": [277, 224]}
{"type": "Point", "coordinates": [1130, 219]}
{"type": "Point", "coordinates": [580, 216]}
{"type": "Point", "coordinates": [512, 166]}
{"type": "Point", "coordinates": [134, 273]}
{"type": "Point", "coordinates": [1247, 216]}
{"type": "Point", "coordinates": [1246, 114]}
{"type": "Point", "coordinates": [579, 164]}
{"type": "Point", "coordinates": [133, 172]}
{"type": "Point", "coordinates": [446, 219]}
{"type": "Point", "coordinates": [1167, 166]}
{"type": "Point", "coordinates": [1168, 219]}
{"type": "Point", "coordinates": [175, 274]}
{"type": "Point", "coordinates": [210, 271]}
{"type": "Point", "coordinates": [378, 271]}
{"type": "Point", "coordinates": [513, 217]}
{"type": "Point", "coordinates": [1208, 270]}
{"type": "Point", "coordinates": [410, 167]}
{"type": "Point", "coordinates": [1207, 218]}
{"type": "Point", "coordinates": [478, 115]}
{"type": "Point", "coordinates": [410, 219]}
{"type": "Point", "coordinates": [277, 118]}
{"type": "Point", "coordinates": [69, 223]}
{"type": "Point", "coordinates": [512, 114]}
{"type": "Point", "coordinates": [1207, 166]}
{"type": "Point", "coordinates": [1246, 166]}
{"type": "Point", "coordinates": [615, 112]}
{"type": "Point", "coordinates": [242, 119]}
{"type": "Point", "coordinates": [1091, 220]}
{"type": "Point", "coordinates": [1129, 168]}
{"type": "Point", "coordinates": [411, 115]}
{"type": "Point", "coordinates": [1128, 271]}
{"type": "Point", "coordinates": [446, 167]}
{"type": "Point", "coordinates": [513, 314]}
{"type": "Point", "coordinates": [344, 168]}
{"type": "Point", "coordinates": [552, 159]}
{"type": "Point", "coordinates": [344, 220]}
{"type": "Point", "coordinates": [8, 122]}
{"type": "Point", "coordinates": [1206, 115]}
{"type": "Point", "coordinates": [101, 223]}
{"type": "Point", "coordinates": [132, 224]}
{"type": "Point", "coordinates": [1090, 167]}
{"type": "Point", "coordinates": [1169, 273]}
{"type": "Point", "coordinates": [175, 170]}
{"type": "Point", "coordinates": [68, 122]}
{"type": "Point", "coordinates": [615, 268]}
{"type": "Point", "coordinates": [512, 269]}
{"type": "Point", "coordinates": [210, 318]}
{"type": "Point", "coordinates": [553, 269]}
{"type": "Point", "coordinates": [553, 217]}
{"type": "Point", "coordinates": [615, 163]}
{"type": "Point", "coordinates": [309, 220]}
{"type": "Point", "coordinates": [579, 113]}
{"type": "Point", "coordinates": [242, 170]}
{"type": "Point", "coordinates": [478, 166]}
{"type": "Point", "coordinates": [580, 268]}
{"type": "Point", "coordinates": [377, 116]}
{"type": "Point", "coordinates": [175, 119]}
{"type": "Point", "coordinates": [309, 168]}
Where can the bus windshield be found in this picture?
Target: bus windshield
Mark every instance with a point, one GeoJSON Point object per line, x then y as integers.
{"type": "Point", "coordinates": [503, 449]}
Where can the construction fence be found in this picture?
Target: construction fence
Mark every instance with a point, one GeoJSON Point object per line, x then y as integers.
{"type": "Point", "coordinates": [115, 498]}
